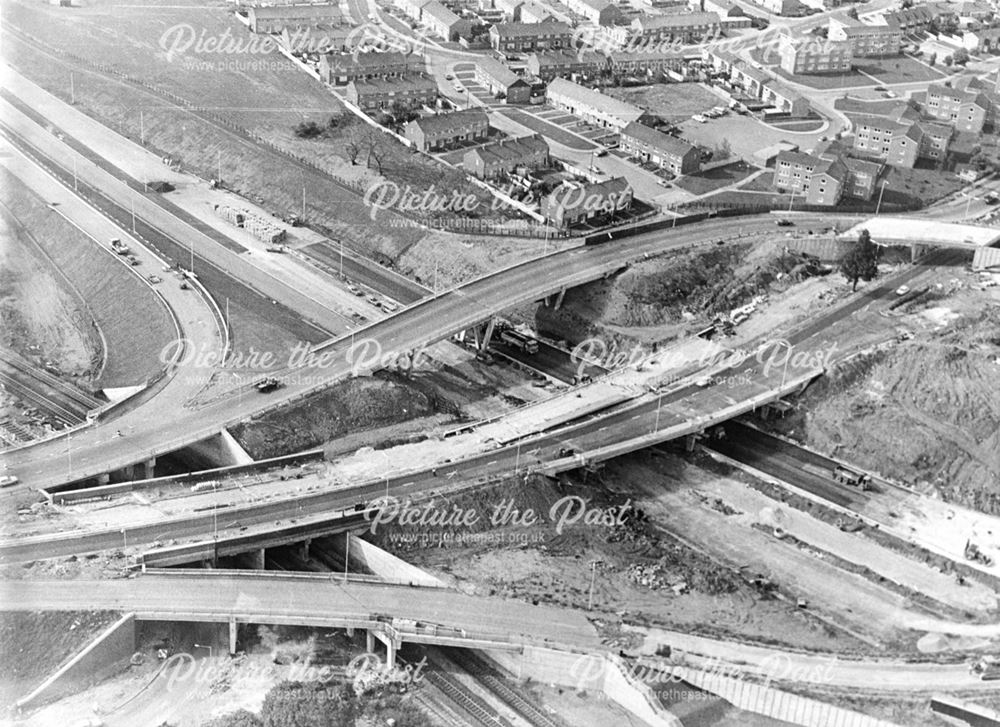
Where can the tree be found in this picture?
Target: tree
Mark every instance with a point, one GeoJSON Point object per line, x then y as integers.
{"type": "Point", "coordinates": [861, 261]}
{"type": "Point", "coordinates": [239, 718]}
{"type": "Point", "coordinates": [932, 59]}
{"type": "Point", "coordinates": [948, 60]}
{"type": "Point", "coordinates": [308, 130]}
{"type": "Point", "coordinates": [961, 56]}
{"type": "Point", "coordinates": [307, 704]}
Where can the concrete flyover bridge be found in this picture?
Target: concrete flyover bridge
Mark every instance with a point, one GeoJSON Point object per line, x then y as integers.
{"type": "Point", "coordinates": [921, 233]}
{"type": "Point", "coordinates": [95, 453]}
{"type": "Point", "coordinates": [392, 614]}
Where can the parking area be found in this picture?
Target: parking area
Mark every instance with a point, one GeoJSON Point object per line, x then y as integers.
{"type": "Point", "coordinates": [553, 132]}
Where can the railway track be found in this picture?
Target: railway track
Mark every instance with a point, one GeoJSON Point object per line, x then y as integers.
{"type": "Point", "coordinates": [496, 683]}
{"type": "Point", "coordinates": [55, 396]}
{"type": "Point", "coordinates": [28, 394]}
{"type": "Point", "coordinates": [470, 703]}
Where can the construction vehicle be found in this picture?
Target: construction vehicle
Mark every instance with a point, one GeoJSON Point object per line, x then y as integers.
{"type": "Point", "coordinates": [269, 384]}
{"type": "Point", "coordinates": [987, 668]}
{"type": "Point", "coordinates": [119, 247]}
{"type": "Point", "coordinates": [973, 553]}
{"type": "Point", "coordinates": [847, 476]}
{"type": "Point", "coordinates": [521, 342]}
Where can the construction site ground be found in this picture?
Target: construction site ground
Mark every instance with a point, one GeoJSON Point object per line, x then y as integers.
{"type": "Point", "coordinates": [63, 299]}
{"type": "Point", "coordinates": [925, 411]}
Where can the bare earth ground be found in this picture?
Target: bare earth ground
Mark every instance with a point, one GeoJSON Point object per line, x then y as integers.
{"type": "Point", "coordinates": [671, 101]}
{"type": "Point", "coordinates": [64, 326]}
{"type": "Point", "coordinates": [638, 565]}
{"type": "Point", "coordinates": [927, 410]}
{"type": "Point", "coordinates": [33, 645]}
{"type": "Point", "coordinates": [267, 99]}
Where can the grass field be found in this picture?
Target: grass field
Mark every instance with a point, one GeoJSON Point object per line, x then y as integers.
{"type": "Point", "coordinates": [853, 79]}
{"type": "Point", "coordinates": [705, 182]}
{"type": "Point", "coordinates": [901, 69]}
{"type": "Point", "coordinates": [884, 107]}
{"type": "Point", "coordinates": [134, 334]}
{"type": "Point", "coordinates": [671, 101]}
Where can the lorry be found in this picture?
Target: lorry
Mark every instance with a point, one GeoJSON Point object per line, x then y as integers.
{"type": "Point", "coordinates": [519, 341]}
{"type": "Point", "coordinates": [973, 553]}
{"type": "Point", "coordinates": [119, 247]}
{"type": "Point", "coordinates": [847, 476]}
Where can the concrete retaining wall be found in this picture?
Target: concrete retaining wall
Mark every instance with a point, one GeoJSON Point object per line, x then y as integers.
{"type": "Point", "coordinates": [385, 564]}
{"type": "Point", "coordinates": [108, 654]}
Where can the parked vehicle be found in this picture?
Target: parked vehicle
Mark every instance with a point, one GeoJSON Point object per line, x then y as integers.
{"type": "Point", "coordinates": [119, 247]}
{"type": "Point", "coordinates": [785, 223]}
{"type": "Point", "coordinates": [8, 480]}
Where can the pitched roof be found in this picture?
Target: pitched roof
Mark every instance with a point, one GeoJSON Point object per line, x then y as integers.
{"type": "Point", "coordinates": [663, 142]}
{"type": "Point", "coordinates": [530, 30]}
{"type": "Point", "coordinates": [383, 85]}
{"type": "Point", "coordinates": [582, 194]}
{"type": "Point", "coordinates": [862, 166]}
{"type": "Point", "coordinates": [450, 123]}
{"type": "Point", "coordinates": [595, 99]}
{"type": "Point", "coordinates": [679, 20]}
{"type": "Point", "coordinates": [303, 10]}
{"type": "Point", "coordinates": [511, 150]}
{"type": "Point", "coordinates": [498, 71]}
{"type": "Point", "coordinates": [439, 12]}
{"type": "Point", "coordinates": [361, 61]}
{"type": "Point", "coordinates": [564, 57]}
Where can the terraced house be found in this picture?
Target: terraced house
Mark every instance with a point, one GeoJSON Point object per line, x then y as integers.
{"type": "Point", "coordinates": [667, 152]}
{"type": "Point", "coordinates": [439, 132]}
{"type": "Point", "coordinates": [683, 27]}
{"type": "Point", "coordinates": [592, 106]}
{"type": "Point", "coordinates": [443, 22]}
{"type": "Point", "coordinates": [341, 68]}
{"type": "Point", "coordinates": [598, 12]}
{"type": "Point", "coordinates": [507, 156]}
{"type": "Point", "coordinates": [566, 64]}
{"type": "Point", "coordinates": [380, 93]}
{"type": "Point", "coordinates": [528, 37]}
{"type": "Point", "coordinates": [573, 203]}
{"type": "Point", "coordinates": [498, 79]}
{"type": "Point", "coordinates": [275, 18]}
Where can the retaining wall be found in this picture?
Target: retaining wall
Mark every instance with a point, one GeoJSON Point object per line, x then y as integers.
{"type": "Point", "coordinates": [108, 654]}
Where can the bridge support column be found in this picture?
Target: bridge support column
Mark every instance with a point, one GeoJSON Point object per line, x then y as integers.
{"type": "Point", "coordinates": [149, 468]}
{"type": "Point", "coordinates": [304, 550]}
{"type": "Point", "coordinates": [488, 333]}
{"type": "Point", "coordinates": [104, 478]}
{"type": "Point", "coordinates": [390, 648]}
{"type": "Point", "coordinates": [232, 635]}
{"type": "Point", "coordinates": [257, 559]}
{"type": "Point", "coordinates": [369, 641]}
{"type": "Point", "coordinates": [207, 564]}
{"type": "Point", "coordinates": [691, 440]}
{"type": "Point", "coordinates": [916, 251]}
{"type": "Point", "coordinates": [559, 299]}
{"type": "Point", "coordinates": [129, 473]}
{"type": "Point", "coordinates": [350, 632]}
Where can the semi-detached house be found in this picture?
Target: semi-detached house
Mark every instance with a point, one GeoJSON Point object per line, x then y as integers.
{"type": "Point", "coordinates": [528, 37]}
{"type": "Point", "coordinates": [667, 152]}
{"type": "Point", "coordinates": [435, 133]}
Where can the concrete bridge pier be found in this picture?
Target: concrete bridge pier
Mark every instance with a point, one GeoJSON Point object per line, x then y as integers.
{"type": "Point", "coordinates": [104, 479]}
{"type": "Point", "coordinates": [233, 632]}
{"type": "Point", "coordinates": [253, 559]}
{"type": "Point", "coordinates": [391, 647]}
{"type": "Point", "coordinates": [916, 251]}
{"type": "Point", "coordinates": [559, 299]}
{"type": "Point", "coordinates": [304, 549]}
{"type": "Point", "coordinates": [149, 468]}
{"type": "Point", "coordinates": [370, 642]}
{"type": "Point", "coordinates": [692, 439]}
{"type": "Point", "coordinates": [483, 333]}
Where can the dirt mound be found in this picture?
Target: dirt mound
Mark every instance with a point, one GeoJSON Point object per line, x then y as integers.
{"type": "Point", "coordinates": [33, 645]}
{"type": "Point", "coordinates": [666, 294]}
{"type": "Point", "coordinates": [926, 410]}
{"type": "Point", "coordinates": [346, 408]}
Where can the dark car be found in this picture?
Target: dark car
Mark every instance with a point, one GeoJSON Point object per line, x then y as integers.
{"type": "Point", "coordinates": [785, 223]}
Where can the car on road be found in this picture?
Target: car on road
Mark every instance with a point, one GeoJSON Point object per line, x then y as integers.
{"type": "Point", "coordinates": [267, 385]}
{"type": "Point", "coordinates": [902, 290]}
{"type": "Point", "coordinates": [133, 260]}
{"type": "Point", "coordinates": [449, 77]}
{"type": "Point", "coordinates": [881, 89]}
{"type": "Point", "coordinates": [8, 480]}
{"type": "Point", "coordinates": [699, 118]}
{"type": "Point", "coordinates": [388, 306]}
{"type": "Point", "coordinates": [154, 279]}
{"type": "Point", "coordinates": [991, 198]}
{"type": "Point", "coordinates": [784, 223]}
{"type": "Point", "coordinates": [355, 289]}
{"type": "Point", "coordinates": [372, 299]}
